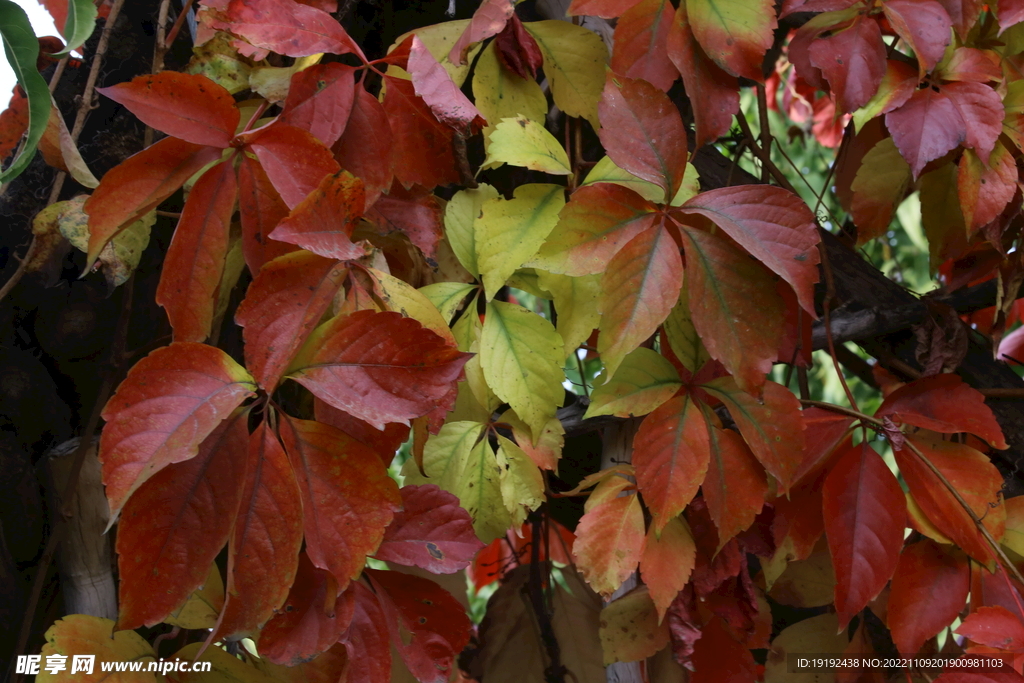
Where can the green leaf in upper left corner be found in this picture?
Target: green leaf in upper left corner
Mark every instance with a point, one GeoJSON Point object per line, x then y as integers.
{"type": "Point", "coordinates": [80, 24]}
{"type": "Point", "coordinates": [22, 50]}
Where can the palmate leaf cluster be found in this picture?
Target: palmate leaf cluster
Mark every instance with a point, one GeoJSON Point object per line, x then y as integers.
{"type": "Point", "coordinates": [435, 236]}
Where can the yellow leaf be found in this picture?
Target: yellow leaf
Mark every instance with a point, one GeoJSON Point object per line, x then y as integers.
{"type": "Point", "coordinates": [500, 94]}
{"type": "Point", "coordinates": [446, 296]}
{"type": "Point", "coordinates": [605, 171]}
{"type": "Point", "coordinates": [225, 668]}
{"type": "Point", "coordinates": [121, 255]}
{"type": "Point", "coordinates": [521, 354]}
{"type": "Point", "coordinates": [576, 304]}
{"type": "Point", "coordinates": [81, 634]}
{"type": "Point", "coordinates": [459, 216]}
{"type": "Point", "coordinates": [401, 297]}
{"type": "Point", "coordinates": [645, 379]}
{"type": "Point", "coordinates": [682, 335]}
{"type": "Point", "coordinates": [522, 486]}
{"type": "Point", "coordinates": [508, 232]}
{"type": "Point", "coordinates": [272, 82]}
{"type": "Point", "coordinates": [690, 186]}
{"type": "Point", "coordinates": [202, 607]}
{"type": "Point", "coordinates": [814, 637]}
{"type": "Point", "coordinates": [574, 62]}
{"type": "Point", "coordinates": [629, 628]}
{"type": "Point", "coordinates": [523, 142]}
{"type": "Point", "coordinates": [218, 60]}
{"type": "Point", "coordinates": [460, 460]}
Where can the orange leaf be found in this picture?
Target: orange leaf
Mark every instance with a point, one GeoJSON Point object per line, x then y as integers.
{"type": "Point", "coordinates": [640, 38]}
{"type": "Point", "coordinates": [735, 485]}
{"type": "Point", "coordinates": [609, 542]}
{"type": "Point", "coordinates": [320, 100]}
{"type": "Point", "coordinates": [666, 562]}
{"type": "Point", "coordinates": [323, 222]}
{"type": "Point", "coordinates": [294, 160]}
{"type": "Point", "coordinates": [261, 209]}
{"type": "Point", "coordinates": [421, 146]}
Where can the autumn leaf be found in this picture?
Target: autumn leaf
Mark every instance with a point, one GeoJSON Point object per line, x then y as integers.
{"type": "Point", "coordinates": [609, 543]}
{"type": "Point", "coordinates": [168, 404]}
{"type": "Point", "coordinates": [929, 590]}
{"type": "Point", "coordinates": [177, 522]}
{"type": "Point", "coordinates": [735, 485]}
{"type": "Point", "coordinates": [294, 160]}
{"type": "Point", "coordinates": [500, 94]}
{"type": "Point", "coordinates": [347, 497]}
{"type": "Point", "coordinates": [574, 63]}
{"type": "Point", "coordinates": [432, 83]}
{"type": "Point", "coordinates": [367, 639]}
{"type": "Point", "coordinates": [638, 290]}
{"type": "Point", "coordinates": [735, 33]}
{"type": "Point", "coordinates": [320, 99]}
{"type": "Point", "coordinates": [631, 628]}
{"type": "Point", "coordinates": [364, 148]}
{"type": "Point", "coordinates": [263, 551]}
{"type": "Point", "coordinates": [431, 532]}
{"type": "Point", "coordinates": [188, 106]}
{"type": "Point", "coordinates": [924, 25]}
{"type": "Point", "coordinates": [666, 562]}
{"type": "Point", "coordinates": [521, 482]}
{"type": "Point", "coordinates": [345, 363]}
{"type": "Point", "coordinates": [985, 189]}
{"type": "Point", "coordinates": [323, 222]}
{"type": "Point", "coordinates": [926, 127]}
{"type": "Point", "coordinates": [642, 132]}
{"type": "Point", "coordinates": [943, 403]}
{"type": "Point", "coordinates": [640, 37]}
{"type": "Point", "coordinates": [488, 20]}
{"type": "Point", "coordinates": [644, 381]}
{"type": "Point", "coordinates": [260, 209]}
{"type": "Point", "coordinates": [852, 59]}
{"type": "Point", "coordinates": [76, 634]}
{"type": "Point", "coordinates": [878, 188]}
{"type": "Point", "coordinates": [994, 626]}
{"type": "Point", "coordinates": [287, 28]}
{"type": "Point", "coordinates": [195, 260]}
{"type": "Point", "coordinates": [521, 141]}
{"type": "Point", "coordinates": [575, 299]}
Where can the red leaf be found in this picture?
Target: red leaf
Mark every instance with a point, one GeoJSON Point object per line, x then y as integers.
{"type": "Point", "coordinates": [320, 100]}
{"type": "Point", "coordinates": [167, 405]}
{"type": "Point", "coordinates": [488, 20]}
{"type": "Point", "coordinates": [190, 278]}
{"type": "Point", "coordinates": [58, 9]}
{"type": "Point", "coordinates": [1010, 12]}
{"type": "Point", "coordinates": [720, 658]}
{"type": "Point", "coordinates": [323, 222]}
{"type": "Point", "coordinates": [518, 50]}
{"type": "Point", "coordinates": [714, 94]}
{"type": "Point", "coordinates": [735, 486]}
{"type": "Point", "coordinates": [606, 9]}
{"type": "Point", "coordinates": [294, 160]}
{"type": "Point", "coordinates": [971, 64]}
{"type": "Point", "coordinates": [926, 127]}
{"type": "Point", "coordinates": [641, 36]}
{"type": "Point", "coordinates": [852, 59]}
{"type": "Point", "coordinates": [287, 28]}
{"type": "Point", "coordinates": [670, 453]}
{"type": "Point", "coordinates": [774, 225]}
{"type": "Point", "coordinates": [308, 623]}
{"type": "Point", "coordinates": [773, 427]}
{"type": "Point", "coordinates": [261, 209]}
{"type": "Point", "coordinates": [424, 608]}
{"type": "Point", "coordinates": [924, 25]}
{"type": "Point", "coordinates": [364, 149]}
{"type": "Point", "coordinates": [379, 367]}
{"type": "Point", "coordinates": [865, 514]}
{"type": "Point", "coordinates": [431, 82]}
{"type": "Point", "coordinates": [943, 403]}
{"type": "Point", "coordinates": [740, 317]}
{"type": "Point", "coordinates": [138, 184]}
{"type": "Point", "coordinates": [263, 552]}
{"type": "Point", "coordinates": [421, 146]}
{"type": "Point", "coordinates": [431, 532]}
{"type": "Point", "coordinates": [823, 429]}
{"type": "Point", "coordinates": [174, 526]}
{"type": "Point", "coordinates": [596, 222]}
{"type": "Point", "coordinates": [642, 132]}
{"type": "Point", "coordinates": [367, 639]}
{"type": "Point", "coordinates": [929, 590]}
{"type": "Point", "coordinates": [187, 106]}
{"type": "Point", "coordinates": [970, 472]}
{"type": "Point", "coordinates": [982, 111]}
{"type": "Point", "coordinates": [347, 497]}
{"type": "Point", "coordinates": [995, 627]}
{"type": "Point", "coordinates": [284, 303]}
{"type": "Point", "coordinates": [13, 122]}
{"type": "Point", "coordinates": [639, 288]}
{"type": "Point", "coordinates": [384, 443]}
{"type": "Point", "coordinates": [417, 214]}
{"type": "Point", "coordinates": [737, 38]}
{"type": "Point", "coordinates": [985, 190]}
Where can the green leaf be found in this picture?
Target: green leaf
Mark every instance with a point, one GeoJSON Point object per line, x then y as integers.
{"type": "Point", "coordinates": [644, 381]}
{"type": "Point", "coordinates": [682, 335]}
{"type": "Point", "coordinates": [574, 62]}
{"type": "Point", "coordinates": [79, 25]}
{"type": "Point", "coordinates": [460, 460]}
{"type": "Point", "coordinates": [605, 171]}
{"type": "Point", "coordinates": [521, 141]}
{"type": "Point", "coordinates": [690, 187]}
{"type": "Point", "coordinates": [508, 232]}
{"type": "Point", "coordinates": [459, 216]}
{"type": "Point", "coordinates": [22, 50]}
{"type": "Point", "coordinates": [521, 354]}
{"type": "Point", "coordinates": [575, 301]}
{"type": "Point", "coordinates": [500, 94]}
{"type": "Point", "coordinates": [522, 486]}
{"type": "Point", "coordinates": [447, 296]}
